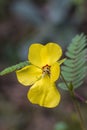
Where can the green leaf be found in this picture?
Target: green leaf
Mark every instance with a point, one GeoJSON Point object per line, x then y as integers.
{"type": "Point", "coordinates": [74, 68]}
{"type": "Point", "coordinates": [69, 62]}
{"type": "Point", "coordinates": [14, 68]}
{"type": "Point", "coordinates": [61, 126]}
{"type": "Point", "coordinates": [63, 85]}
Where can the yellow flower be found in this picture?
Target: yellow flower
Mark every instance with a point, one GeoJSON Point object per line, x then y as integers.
{"type": "Point", "coordinates": [42, 74]}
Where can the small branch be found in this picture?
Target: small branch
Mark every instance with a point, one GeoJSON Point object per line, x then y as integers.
{"type": "Point", "coordinates": [75, 103]}
{"type": "Point", "coordinates": [80, 98]}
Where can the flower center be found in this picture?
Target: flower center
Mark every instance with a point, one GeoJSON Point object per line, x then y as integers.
{"type": "Point", "coordinates": [46, 70]}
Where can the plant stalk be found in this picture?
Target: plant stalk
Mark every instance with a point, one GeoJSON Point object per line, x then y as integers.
{"type": "Point", "coordinates": [76, 105]}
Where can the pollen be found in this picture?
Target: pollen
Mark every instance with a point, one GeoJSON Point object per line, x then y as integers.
{"type": "Point", "coordinates": [46, 70]}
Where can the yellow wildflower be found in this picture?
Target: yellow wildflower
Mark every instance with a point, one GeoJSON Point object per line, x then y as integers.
{"type": "Point", "coordinates": [42, 74]}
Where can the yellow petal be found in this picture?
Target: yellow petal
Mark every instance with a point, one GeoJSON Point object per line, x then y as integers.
{"type": "Point", "coordinates": [34, 55]}
{"type": "Point", "coordinates": [28, 75]}
{"type": "Point", "coordinates": [54, 52]}
{"type": "Point", "coordinates": [40, 55]}
{"type": "Point", "coordinates": [55, 72]}
{"type": "Point", "coordinates": [44, 93]}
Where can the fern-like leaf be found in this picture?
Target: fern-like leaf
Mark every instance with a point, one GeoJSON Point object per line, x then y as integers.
{"type": "Point", "coordinates": [75, 67]}
{"type": "Point", "coordinates": [14, 68]}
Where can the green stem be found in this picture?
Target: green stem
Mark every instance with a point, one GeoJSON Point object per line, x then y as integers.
{"type": "Point", "coordinates": [76, 105]}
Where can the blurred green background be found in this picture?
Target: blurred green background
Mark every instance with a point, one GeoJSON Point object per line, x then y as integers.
{"type": "Point", "coordinates": [23, 22]}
